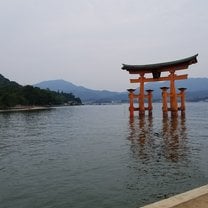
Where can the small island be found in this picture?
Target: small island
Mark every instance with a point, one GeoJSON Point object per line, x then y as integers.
{"type": "Point", "coordinates": [14, 96]}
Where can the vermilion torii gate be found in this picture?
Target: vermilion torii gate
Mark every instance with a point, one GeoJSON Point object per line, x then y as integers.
{"type": "Point", "coordinates": [156, 70]}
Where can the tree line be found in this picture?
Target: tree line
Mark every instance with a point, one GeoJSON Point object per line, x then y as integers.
{"type": "Point", "coordinates": [13, 94]}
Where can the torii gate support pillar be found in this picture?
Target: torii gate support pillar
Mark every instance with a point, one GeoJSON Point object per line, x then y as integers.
{"type": "Point", "coordinates": [131, 101]}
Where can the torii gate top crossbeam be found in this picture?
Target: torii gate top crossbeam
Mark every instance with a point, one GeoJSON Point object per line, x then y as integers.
{"type": "Point", "coordinates": [161, 67]}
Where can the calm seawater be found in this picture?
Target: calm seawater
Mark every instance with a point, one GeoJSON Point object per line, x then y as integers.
{"type": "Point", "coordinates": [96, 157]}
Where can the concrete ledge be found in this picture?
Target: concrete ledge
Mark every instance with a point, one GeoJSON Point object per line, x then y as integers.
{"type": "Point", "coordinates": [195, 198]}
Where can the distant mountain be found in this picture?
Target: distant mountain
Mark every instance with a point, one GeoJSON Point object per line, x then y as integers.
{"type": "Point", "coordinates": [197, 89]}
{"type": "Point", "coordinates": [86, 95]}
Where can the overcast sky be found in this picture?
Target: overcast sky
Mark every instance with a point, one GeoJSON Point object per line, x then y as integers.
{"type": "Point", "coordinates": [86, 41]}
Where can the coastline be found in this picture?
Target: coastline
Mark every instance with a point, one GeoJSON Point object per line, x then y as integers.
{"type": "Point", "coordinates": [25, 108]}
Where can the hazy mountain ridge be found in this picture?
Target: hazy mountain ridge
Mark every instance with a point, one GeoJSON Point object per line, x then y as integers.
{"type": "Point", "coordinates": [197, 89]}
{"type": "Point", "coordinates": [86, 95]}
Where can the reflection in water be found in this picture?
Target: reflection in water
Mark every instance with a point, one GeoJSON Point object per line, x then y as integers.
{"type": "Point", "coordinates": [140, 135]}
{"type": "Point", "coordinates": [147, 142]}
{"type": "Point", "coordinates": [174, 137]}
{"type": "Point", "coordinates": [161, 162]}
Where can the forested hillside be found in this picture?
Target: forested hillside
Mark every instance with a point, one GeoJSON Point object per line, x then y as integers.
{"type": "Point", "coordinates": [13, 94]}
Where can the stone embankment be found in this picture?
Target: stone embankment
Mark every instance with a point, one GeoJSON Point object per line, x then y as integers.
{"type": "Point", "coordinates": [196, 198]}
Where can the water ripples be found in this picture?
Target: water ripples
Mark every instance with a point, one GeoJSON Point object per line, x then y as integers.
{"type": "Point", "coordinates": [95, 156]}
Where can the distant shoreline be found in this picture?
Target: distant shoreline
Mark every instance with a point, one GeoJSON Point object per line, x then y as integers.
{"type": "Point", "coordinates": [25, 108]}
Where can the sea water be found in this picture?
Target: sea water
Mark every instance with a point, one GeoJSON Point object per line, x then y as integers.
{"type": "Point", "coordinates": [97, 157]}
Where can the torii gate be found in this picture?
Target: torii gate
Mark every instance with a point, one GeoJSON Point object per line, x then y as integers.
{"type": "Point", "coordinates": [156, 70]}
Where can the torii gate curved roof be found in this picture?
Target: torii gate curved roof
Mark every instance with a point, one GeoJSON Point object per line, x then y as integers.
{"type": "Point", "coordinates": [160, 67]}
